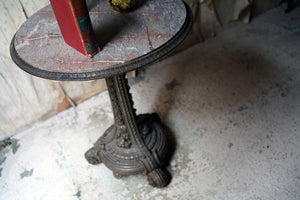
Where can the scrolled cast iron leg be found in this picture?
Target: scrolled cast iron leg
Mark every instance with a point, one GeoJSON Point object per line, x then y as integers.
{"type": "Point", "coordinates": [159, 177]}
{"type": "Point", "coordinates": [92, 156]}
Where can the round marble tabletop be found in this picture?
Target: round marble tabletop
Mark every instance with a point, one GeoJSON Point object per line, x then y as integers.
{"type": "Point", "coordinates": [127, 41]}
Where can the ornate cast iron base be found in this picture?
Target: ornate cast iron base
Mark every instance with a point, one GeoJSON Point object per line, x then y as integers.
{"type": "Point", "coordinates": [134, 144]}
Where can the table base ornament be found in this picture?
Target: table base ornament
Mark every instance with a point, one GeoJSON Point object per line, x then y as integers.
{"type": "Point", "coordinates": [134, 144]}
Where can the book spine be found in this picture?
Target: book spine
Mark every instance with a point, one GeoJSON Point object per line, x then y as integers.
{"type": "Point", "coordinates": [75, 25]}
{"type": "Point", "coordinates": [88, 37]}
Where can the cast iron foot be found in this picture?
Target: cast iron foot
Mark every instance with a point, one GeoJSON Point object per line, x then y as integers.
{"type": "Point", "coordinates": [159, 178]}
{"type": "Point", "coordinates": [124, 157]}
{"type": "Point", "coordinates": [92, 156]}
{"type": "Point", "coordinates": [117, 175]}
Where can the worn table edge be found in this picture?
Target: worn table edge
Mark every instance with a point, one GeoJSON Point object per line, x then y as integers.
{"type": "Point", "coordinates": [115, 70]}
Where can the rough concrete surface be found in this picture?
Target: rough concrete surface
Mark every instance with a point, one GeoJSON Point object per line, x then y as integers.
{"type": "Point", "coordinates": [232, 103]}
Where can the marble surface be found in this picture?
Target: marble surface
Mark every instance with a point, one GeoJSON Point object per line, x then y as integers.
{"type": "Point", "coordinates": [122, 37]}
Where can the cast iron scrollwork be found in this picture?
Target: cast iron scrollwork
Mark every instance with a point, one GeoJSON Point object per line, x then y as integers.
{"type": "Point", "coordinates": [134, 144]}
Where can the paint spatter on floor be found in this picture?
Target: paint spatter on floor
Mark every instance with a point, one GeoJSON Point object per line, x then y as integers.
{"type": "Point", "coordinates": [172, 84]}
{"type": "Point", "coordinates": [241, 108]}
{"type": "Point", "coordinates": [4, 144]}
{"type": "Point", "coordinates": [2, 159]}
{"type": "Point", "coordinates": [13, 143]}
{"type": "Point", "coordinates": [4, 150]}
{"type": "Point", "coordinates": [26, 173]}
{"type": "Point", "coordinates": [78, 195]}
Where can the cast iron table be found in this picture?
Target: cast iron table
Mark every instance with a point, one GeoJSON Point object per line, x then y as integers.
{"type": "Point", "coordinates": [133, 144]}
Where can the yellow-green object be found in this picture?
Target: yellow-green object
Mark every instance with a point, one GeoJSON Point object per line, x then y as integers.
{"type": "Point", "coordinates": [122, 6]}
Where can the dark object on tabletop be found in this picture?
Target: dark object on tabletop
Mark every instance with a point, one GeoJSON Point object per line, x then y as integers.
{"type": "Point", "coordinates": [123, 6]}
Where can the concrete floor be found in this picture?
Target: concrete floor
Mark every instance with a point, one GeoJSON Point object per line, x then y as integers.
{"type": "Point", "coordinates": [232, 103]}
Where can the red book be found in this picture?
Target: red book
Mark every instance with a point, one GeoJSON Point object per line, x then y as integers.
{"type": "Point", "coordinates": [75, 25]}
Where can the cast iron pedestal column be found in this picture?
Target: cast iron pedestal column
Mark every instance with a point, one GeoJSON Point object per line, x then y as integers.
{"type": "Point", "coordinates": [133, 144]}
